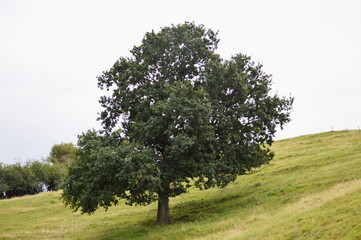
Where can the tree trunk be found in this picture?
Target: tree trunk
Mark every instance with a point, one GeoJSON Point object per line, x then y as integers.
{"type": "Point", "coordinates": [163, 216]}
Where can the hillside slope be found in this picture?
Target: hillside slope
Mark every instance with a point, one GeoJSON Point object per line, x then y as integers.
{"type": "Point", "coordinates": [311, 190]}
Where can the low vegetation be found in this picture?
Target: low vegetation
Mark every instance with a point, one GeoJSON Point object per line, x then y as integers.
{"type": "Point", "coordinates": [36, 176]}
{"type": "Point", "coordinates": [29, 178]}
{"type": "Point", "coordinates": [311, 190]}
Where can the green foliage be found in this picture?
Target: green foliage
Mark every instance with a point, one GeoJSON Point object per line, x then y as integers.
{"type": "Point", "coordinates": [63, 153]}
{"type": "Point", "coordinates": [175, 114]}
{"type": "Point", "coordinates": [19, 179]}
{"type": "Point", "coordinates": [3, 185]}
{"type": "Point", "coordinates": [49, 175]}
{"type": "Point", "coordinates": [29, 178]}
{"type": "Point", "coordinates": [107, 169]}
{"type": "Point", "coordinates": [36, 176]}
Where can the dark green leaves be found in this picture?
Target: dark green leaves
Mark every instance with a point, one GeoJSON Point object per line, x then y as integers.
{"type": "Point", "coordinates": [175, 113]}
{"type": "Point", "coordinates": [109, 168]}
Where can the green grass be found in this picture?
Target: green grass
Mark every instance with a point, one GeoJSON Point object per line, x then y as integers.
{"type": "Point", "coordinates": [311, 190]}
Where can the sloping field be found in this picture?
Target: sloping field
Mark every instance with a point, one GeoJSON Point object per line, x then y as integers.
{"type": "Point", "coordinates": [311, 190]}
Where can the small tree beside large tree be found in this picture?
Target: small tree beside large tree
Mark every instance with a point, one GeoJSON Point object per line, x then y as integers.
{"type": "Point", "coordinates": [175, 115]}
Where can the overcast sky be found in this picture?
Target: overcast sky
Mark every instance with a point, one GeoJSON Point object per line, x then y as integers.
{"type": "Point", "coordinates": [52, 51]}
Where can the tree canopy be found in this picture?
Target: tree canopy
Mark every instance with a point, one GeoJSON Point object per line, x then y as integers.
{"type": "Point", "coordinates": [63, 153]}
{"type": "Point", "coordinates": [175, 114]}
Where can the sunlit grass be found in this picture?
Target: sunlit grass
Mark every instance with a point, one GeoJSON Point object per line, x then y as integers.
{"type": "Point", "coordinates": [311, 190]}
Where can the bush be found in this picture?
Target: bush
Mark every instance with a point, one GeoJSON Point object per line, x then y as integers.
{"type": "Point", "coordinates": [29, 178]}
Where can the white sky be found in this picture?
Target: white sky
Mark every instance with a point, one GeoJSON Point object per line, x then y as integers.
{"type": "Point", "coordinates": [52, 51]}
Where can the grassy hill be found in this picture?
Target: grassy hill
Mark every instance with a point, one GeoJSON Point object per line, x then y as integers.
{"type": "Point", "coordinates": [311, 190]}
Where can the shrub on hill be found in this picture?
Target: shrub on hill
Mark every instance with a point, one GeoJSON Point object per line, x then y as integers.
{"type": "Point", "coordinates": [29, 178]}
{"type": "Point", "coordinates": [36, 176]}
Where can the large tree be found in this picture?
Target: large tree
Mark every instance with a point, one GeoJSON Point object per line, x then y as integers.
{"type": "Point", "coordinates": [175, 114]}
